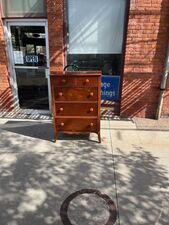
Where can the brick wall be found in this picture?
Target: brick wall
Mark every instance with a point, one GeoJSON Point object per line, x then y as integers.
{"type": "Point", "coordinates": [146, 45]}
{"type": "Point", "coordinates": [6, 101]}
{"type": "Point", "coordinates": [147, 37]}
{"type": "Point", "coordinates": [55, 13]}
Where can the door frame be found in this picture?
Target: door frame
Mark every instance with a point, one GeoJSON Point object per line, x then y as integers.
{"type": "Point", "coordinates": [26, 22]}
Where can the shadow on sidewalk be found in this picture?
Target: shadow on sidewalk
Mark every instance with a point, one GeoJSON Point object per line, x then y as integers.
{"type": "Point", "coordinates": [143, 188]}
{"type": "Point", "coordinates": [34, 182]}
{"type": "Point", "coordinates": [41, 130]}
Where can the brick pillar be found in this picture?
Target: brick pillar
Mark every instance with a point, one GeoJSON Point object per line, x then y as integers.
{"type": "Point", "coordinates": [56, 34]}
{"type": "Point", "coordinates": [147, 38]}
{"type": "Point", "coordinates": [6, 100]}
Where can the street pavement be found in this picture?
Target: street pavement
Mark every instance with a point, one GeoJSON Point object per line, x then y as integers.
{"type": "Point", "coordinates": [127, 174]}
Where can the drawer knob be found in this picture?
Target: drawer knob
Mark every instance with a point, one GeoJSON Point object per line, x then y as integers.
{"type": "Point", "coordinates": [62, 124]}
{"type": "Point", "coordinates": [61, 109]}
{"type": "Point", "coordinates": [91, 94]}
{"type": "Point", "coordinates": [91, 124]}
{"type": "Point", "coordinates": [60, 94]}
{"type": "Point", "coordinates": [87, 81]}
{"type": "Point", "coordinates": [63, 81]}
{"type": "Point", "coordinates": [91, 109]}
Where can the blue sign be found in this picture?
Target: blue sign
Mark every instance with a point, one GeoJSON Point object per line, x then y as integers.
{"type": "Point", "coordinates": [110, 88]}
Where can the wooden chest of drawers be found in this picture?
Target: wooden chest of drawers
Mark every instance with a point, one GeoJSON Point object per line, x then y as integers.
{"type": "Point", "coordinates": [76, 102]}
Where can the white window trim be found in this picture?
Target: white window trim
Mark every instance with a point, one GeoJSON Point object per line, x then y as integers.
{"type": "Point", "coordinates": [25, 22]}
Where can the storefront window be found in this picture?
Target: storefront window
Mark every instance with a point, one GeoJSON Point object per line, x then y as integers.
{"type": "Point", "coordinates": [95, 34]}
{"type": "Point", "coordinates": [29, 46]}
{"type": "Point", "coordinates": [23, 8]}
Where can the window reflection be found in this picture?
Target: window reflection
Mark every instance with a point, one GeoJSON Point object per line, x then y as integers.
{"type": "Point", "coordinates": [29, 43]}
{"type": "Point", "coordinates": [32, 89]}
{"type": "Point", "coordinates": [23, 8]}
{"type": "Point", "coordinates": [95, 34]}
{"type": "Point", "coordinates": [109, 64]}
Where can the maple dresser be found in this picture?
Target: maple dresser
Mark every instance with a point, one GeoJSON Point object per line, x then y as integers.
{"type": "Point", "coordinates": [76, 102]}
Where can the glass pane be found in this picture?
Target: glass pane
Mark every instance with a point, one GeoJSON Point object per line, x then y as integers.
{"type": "Point", "coordinates": [109, 64]}
{"type": "Point", "coordinates": [29, 46]}
{"type": "Point", "coordinates": [24, 8]}
{"type": "Point", "coordinates": [95, 27]}
{"type": "Point", "coordinates": [29, 51]}
{"type": "Point", "coordinates": [32, 88]}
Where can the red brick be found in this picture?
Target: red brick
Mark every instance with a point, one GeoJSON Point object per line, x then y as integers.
{"type": "Point", "coordinates": [6, 101]}
{"type": "Point", "coordinates": [145, 54]}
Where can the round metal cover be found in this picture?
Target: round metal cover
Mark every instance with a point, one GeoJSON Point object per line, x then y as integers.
{"type": "Point", "coordinates": [88, 207]}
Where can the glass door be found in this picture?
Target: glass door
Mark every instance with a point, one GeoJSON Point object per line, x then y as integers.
{"type": "Point", "coordinates": [29, 54]}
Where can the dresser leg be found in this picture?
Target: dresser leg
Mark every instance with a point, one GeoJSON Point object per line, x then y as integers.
{"type": "Point", "coordinates": [55, 136]}
{"type": "Point", "coordinates": [99, 137]}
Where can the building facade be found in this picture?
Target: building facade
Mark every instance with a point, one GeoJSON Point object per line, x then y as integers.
{"type": "Point", "coordinates": [126, 40]}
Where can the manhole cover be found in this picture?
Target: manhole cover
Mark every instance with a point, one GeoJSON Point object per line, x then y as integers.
{"type": "Point", "coordinates": [88, 207]}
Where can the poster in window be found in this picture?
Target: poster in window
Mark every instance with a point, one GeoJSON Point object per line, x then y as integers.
{"type": "Point", "coordinates": [110, 88]}
{"type": "Point", "coordinates": [31, 58]}
{"type": "Point", "coordinates": [18, 57]}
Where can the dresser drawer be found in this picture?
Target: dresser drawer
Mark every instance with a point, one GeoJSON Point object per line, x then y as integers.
{"type": "Point", "coordinates": [87, 82]}
{"type": "Point", "coordinates": [65, 81]}
{"type": "Point", "coordinates": [76, 109]}
{"type": "Point", "coordinates": [76, 94]}
{"type": "Point", "coordinates": [76, 81]}
{"type": "Point", "coordinates": [77, 124]}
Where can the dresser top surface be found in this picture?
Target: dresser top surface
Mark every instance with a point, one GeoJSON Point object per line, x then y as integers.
{"type": "Point", "coordinates": [75, 73]}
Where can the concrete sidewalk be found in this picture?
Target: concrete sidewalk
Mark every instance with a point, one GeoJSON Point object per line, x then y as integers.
{"type": "Point", "coordinates": [130, 166]}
